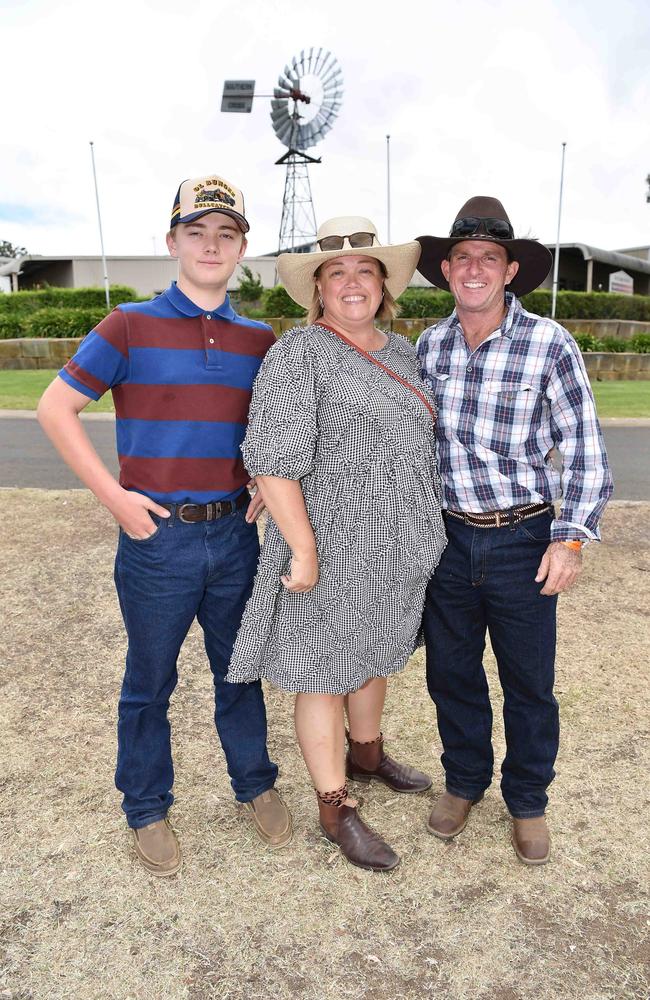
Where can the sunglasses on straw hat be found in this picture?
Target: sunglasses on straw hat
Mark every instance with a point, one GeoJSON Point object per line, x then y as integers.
{"type": "Point", "coordinates": [355, 240]}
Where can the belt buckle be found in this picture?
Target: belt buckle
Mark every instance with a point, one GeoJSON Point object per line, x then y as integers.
{"type": "Point", "coordinates": [179, 512]}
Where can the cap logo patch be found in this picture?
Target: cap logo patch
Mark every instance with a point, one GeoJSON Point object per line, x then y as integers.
{"type": "Point", "coordinates": [213, 192]}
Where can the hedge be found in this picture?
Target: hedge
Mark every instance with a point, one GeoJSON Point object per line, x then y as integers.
{"type": "Point", "coordinates": [419, 303]}
{"type": "Point", "coordinates": [423, 302]}
{"type": "Point", "coordinates": [51, 322]}
{"type": "Point", "coordinates": [23, 303]}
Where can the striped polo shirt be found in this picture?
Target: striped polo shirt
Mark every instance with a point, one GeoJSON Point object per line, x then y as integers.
{"type": "Point", "coordinates": [181, 379]}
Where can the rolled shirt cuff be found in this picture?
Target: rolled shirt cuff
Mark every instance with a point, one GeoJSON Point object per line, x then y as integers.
{"type": "Point", "coordinates": [568, 531]}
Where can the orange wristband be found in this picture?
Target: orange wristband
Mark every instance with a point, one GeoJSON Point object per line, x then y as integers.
{"type": "Point", "coordinates": [573, 544]}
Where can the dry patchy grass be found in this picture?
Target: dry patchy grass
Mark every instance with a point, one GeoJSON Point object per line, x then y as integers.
{"type": "Point", "coordinates": [458, 921]}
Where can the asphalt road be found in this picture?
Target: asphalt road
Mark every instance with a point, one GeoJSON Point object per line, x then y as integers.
{"type": "Point", "coordinates": [28, 459]}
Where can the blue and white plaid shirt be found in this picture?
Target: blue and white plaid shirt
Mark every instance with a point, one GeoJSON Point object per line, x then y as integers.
{"type": "Point", "coordinates": [503, 407]}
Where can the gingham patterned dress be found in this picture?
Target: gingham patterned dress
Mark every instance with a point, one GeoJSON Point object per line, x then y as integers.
{"type": "Point", "coordinates": [363, 447]}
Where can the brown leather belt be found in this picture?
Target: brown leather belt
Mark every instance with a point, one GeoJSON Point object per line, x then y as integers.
{"type": "Point", "coordinates": [500, 518]}
{"type": "Point", "coordinates": [190, 513]}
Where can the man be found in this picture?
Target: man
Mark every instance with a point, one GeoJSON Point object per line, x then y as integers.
{"type": "Point", "coordinates": [510, 387]}
{"type": "Point", "coordinates": [181, 369]}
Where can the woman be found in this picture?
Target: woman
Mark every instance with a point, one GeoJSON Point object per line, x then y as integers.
{"type": "Point", "coordinates": [341, 440]}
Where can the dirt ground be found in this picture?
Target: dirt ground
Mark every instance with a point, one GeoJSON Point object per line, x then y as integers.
{"type": "Point", "coordinates": [460, 921]}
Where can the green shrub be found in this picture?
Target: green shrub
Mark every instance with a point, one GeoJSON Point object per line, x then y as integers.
{"type": "Point", "coordinates": [22, 303]}
{"type": "Point", "coordinates": [614, 345]}
{"type": "Point", "coordinates": [640, 343]}
{"type": "Point", "coordinates": [420, 303]}
{"type": "Point", "coordinates": [250, 287]}
{"type": "Point", "coordinates": [277, 302]}
{"type": "Point", "coordinates": [12, 326]}
{"type": "Point", "coordinates": [53, 322]}
{"type": "Point", "coordinates": [588, 343]}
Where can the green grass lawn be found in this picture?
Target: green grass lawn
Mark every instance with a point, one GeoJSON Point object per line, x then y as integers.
{"type": "Point", "coordinates": [21, 391]}
{"type": "Point", "coordinates": [622, 399]}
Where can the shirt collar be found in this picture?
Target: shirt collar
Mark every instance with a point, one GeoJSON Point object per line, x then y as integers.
{"type": "Point", "coordinates": [513, 308]}
{"type": "Point", "coordinates": [182, 304]}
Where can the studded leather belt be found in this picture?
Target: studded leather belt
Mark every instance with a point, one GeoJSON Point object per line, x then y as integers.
{"type": "Point", "coordinates": [190, 513]}
{"type": "Point", "coordinates": [500, 518]}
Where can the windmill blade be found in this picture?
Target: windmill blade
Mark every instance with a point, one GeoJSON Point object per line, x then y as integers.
{"type": "Point", "coordinates": [332, 75]}
{"type": "Point", "coordinates": [319, 61]}
{"type": "Point", "coordinates": [308, 136]}
{"type": "Point", "coordinates": [289, 126]}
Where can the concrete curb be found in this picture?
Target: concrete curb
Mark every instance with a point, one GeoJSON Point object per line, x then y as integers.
{"type": "Point", "coordinates": [31, 415]}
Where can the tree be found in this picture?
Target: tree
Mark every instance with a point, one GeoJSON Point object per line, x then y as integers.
{"type": "Point", "coordinates": [250, 287]}
{"type": "Point", "coordinates": [9, 250]}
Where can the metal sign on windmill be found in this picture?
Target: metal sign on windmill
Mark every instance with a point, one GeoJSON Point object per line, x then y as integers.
{"type": "Point", "coordinates": [304, 106]}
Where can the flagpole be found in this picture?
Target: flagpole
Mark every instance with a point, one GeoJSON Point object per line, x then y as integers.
{"type": "Point", "coordinates": [388, 187]}
{"type": "Point", "coordinates": [556, 262]}
{"type": "Point", "coordinates": [101, 235]}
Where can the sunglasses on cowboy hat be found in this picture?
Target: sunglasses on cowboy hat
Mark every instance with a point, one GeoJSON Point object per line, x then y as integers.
{"type": "Point", "coordinates": [498, 228]}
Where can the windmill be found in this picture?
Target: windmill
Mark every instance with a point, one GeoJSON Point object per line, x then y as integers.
{"type": "Point", "coordinates": [304, 106]}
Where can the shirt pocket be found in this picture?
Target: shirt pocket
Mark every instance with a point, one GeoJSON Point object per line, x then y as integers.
{"type": "Point", "coordinates": [437, 382]}
{"type": "Point", "coordinates": [508, 410]}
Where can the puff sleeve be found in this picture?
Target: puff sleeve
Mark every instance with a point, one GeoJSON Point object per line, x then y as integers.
{"type": "Point", "coordinates": [281, 436]}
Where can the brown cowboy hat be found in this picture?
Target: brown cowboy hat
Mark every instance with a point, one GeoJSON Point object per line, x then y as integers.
{"type": "Point", "coordinates": [483, 218]}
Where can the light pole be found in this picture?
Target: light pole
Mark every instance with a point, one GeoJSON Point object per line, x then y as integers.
{"type": "Point", "coordinates": [101, 236]}
{"type": "Point", "coordinates": [556, 262]}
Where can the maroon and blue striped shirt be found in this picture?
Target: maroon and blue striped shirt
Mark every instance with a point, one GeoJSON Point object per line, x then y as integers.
{"type": "Point", "coordinates": [181, 379]}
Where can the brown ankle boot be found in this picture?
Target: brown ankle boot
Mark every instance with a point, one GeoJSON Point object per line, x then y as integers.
{"type": "Point", "coordinates": [366, 761]}
{"type": "Point", "coordinates": [531, 841]}
{"type": "Point", "coordinates": [449, 815]}
{"type": "Point", "coordinates": [362, 847]}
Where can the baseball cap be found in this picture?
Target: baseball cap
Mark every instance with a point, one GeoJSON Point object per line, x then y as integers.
{"type": "Point", "coordinates": [199, 195]}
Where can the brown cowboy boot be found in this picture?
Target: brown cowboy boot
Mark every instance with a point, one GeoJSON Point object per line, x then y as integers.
{"type": "Point", "coordinates": [362, 847]}
{"type": "Point", "coordinates": [449, 815]}
{"type": "Point", "coordinates": [366, 761]}
{"type": "Point", "coordinates": [531, 841]}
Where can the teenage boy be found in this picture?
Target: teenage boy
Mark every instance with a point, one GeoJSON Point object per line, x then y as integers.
{"type": "Point", "coordinates": [181, 369]}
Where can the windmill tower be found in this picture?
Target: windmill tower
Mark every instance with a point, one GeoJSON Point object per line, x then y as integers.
{"type": "Point", "coordinates": [305, 105]}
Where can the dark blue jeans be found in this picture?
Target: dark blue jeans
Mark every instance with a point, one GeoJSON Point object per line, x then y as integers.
{"type": "Point", "coordinates": [184, 571]}
{"type": "Point", "coordinates": [486, 581]}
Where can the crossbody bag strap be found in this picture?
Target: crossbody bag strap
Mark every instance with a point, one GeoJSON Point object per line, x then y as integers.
{"type": "Point", "coordinates": [398, 378]}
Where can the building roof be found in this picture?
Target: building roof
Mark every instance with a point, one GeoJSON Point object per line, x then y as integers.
{"type": "Point", "coordinates": [615, 258]}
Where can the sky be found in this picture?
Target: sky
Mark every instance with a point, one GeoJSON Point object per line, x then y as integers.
{"type": "Point", "coordinates": [477, 97]}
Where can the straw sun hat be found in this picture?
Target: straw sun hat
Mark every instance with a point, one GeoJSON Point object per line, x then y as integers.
{"type": "Point", "coordinates": [297, 270]}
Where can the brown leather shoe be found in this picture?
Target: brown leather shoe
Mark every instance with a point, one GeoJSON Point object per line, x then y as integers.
{"type": "Point", "coordinates": [157, 848]}
{"type": "Point", "coordinates": [531, 840]}
{"type": "Point", "coordinates": [362, 847]}
{"type": "Point", "coordinates": [271, 819]}
{"type": "Point", "coordinates": [366, 761]}
{"type": "Point", "coordinates": [449, 815]}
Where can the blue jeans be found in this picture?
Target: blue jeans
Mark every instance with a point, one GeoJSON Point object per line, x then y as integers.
{"type": "Point", "coordinates": [486, 581]}
{"type": "Point", "coordinates": [183, 571]}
